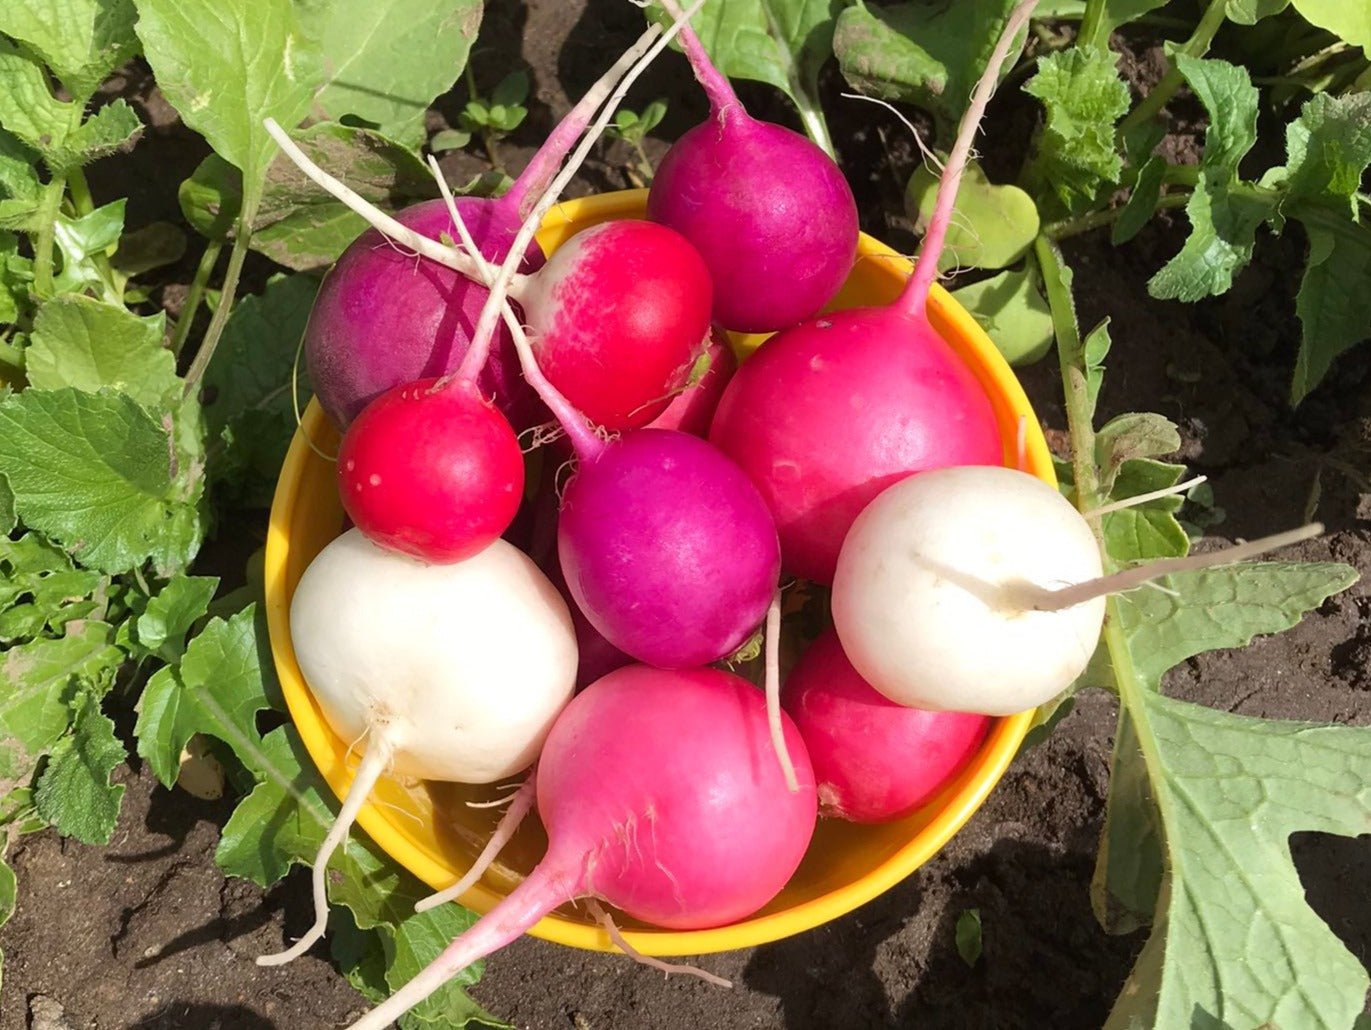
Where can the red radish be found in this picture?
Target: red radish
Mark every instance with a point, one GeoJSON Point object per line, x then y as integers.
{"type": "Point", "coordinates": [431, 472]}
{"type": "Point", "coordinates": [827, 414]}
{"type": "Point", "coordinates": [874, 760]}
{"type": "Point", "coordinates": [772, 214]}
{"type": "Point", "coordinates": [444, 672]}
{"type": "Point", "coordinates": [692, 410]}
{"type": "Point", "coordinates": [660, 797]}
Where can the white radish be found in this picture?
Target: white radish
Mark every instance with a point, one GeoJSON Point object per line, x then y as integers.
{"type": "Point", "coordinates": [446, 672]}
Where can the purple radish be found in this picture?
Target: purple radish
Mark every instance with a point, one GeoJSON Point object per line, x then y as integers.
{"type": "Point", "coordinates": [772, 214]}
{"type": "Point", "coordinates": [827, 414]}
{"type": "Point", "coordinates": [659, 796]}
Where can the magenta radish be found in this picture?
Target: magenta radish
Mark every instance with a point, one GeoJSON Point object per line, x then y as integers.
{"type": "Point", "coordinates": [432, 472]}
{"type": "Point", "coordinates": [445, 672]}
{"type": "Point", "coordinates": [660, 796]}
{"type": "Point", "coordinates": [772, 214]}
{"type": "Point", "coordinates": [874, 760]}
{"type": "Point", "coordinates": [827, 414]}
{"type": "Point", "coordinates": [692, 410]}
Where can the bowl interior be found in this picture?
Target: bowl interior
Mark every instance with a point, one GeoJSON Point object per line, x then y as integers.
{"type": "Point", "coordinates": [432, 830]}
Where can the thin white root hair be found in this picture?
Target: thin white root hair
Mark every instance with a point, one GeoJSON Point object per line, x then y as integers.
{"type": "Point", "coordinates": [1130, 502]}
{"type": "Point", "coordinates": [1030, 596]}
{"type": "Point", "coordinates": [500, 802]}
{"type": "Point", "coordinates": [449, 257]}
{"type": "Point", "coordinates": [374, 762]}
{"type": "Point", "coordinates": [520, 805]}
{"type": "Point", "coordinates": [607, 921]}
{"type": "Point", "coordinates": [929, 156]}
{"type": "Point", "coordinates": [773, 690]}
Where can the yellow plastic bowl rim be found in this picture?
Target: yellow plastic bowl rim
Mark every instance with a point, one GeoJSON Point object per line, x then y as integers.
{"type": "Point", "coordinates": [1024, 442]}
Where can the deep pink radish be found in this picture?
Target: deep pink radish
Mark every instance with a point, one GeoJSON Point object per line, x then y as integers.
{"type": "Point", "coordinates": [772, 214]}
{"type": "Point", "coordinates": [620, 315]}
{"type": "Point", "coordinates": [432, 472]}
{"type": "Point", "coordinates": [661, 796]}
{"type": "Point", "coordinates": [692, 410]}
{"type": "Point", "coordinates": [384, 318]}
{"type": "Point", "coordinates": [827, 414]}
{"type": "Point", "coordinates": [874, 760]}
{"type": "Point", "coordinates": [668, 548]}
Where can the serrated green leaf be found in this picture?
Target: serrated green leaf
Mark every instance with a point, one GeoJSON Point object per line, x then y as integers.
{"type": "Point", "coordinates": [15, 275]}
{"type": "Point", "coordinates": [416, 942]}
{"type": "Point", "coordinates": [1074, 156]}
{"type": "Point", "coordinates": [783, 43]}
{"type": "Point", "coordinates": [226, 67]}
{"type": "Point", "coordinates": [80, 239]}
{"type": "Point", "coordinates": [385, 62]}
{"type": "Point", "coordinates": [249, 406]}
{"type": "Point", "coordinates": [82, 41]}
{"type": "Point", "coordinates": [109, 129]}
{"type": "Point", "coordinates": [926, 54]}
{"type": "Point", "coordinates": [1333, 304]}
{"type": "Point", "coordinates": [28, 109]}
{"type": "Point", "coordinates": [38, 682]}
{"type": "Point", "coordinates": [1235, 938]}
{"type": "Point", "coordinates": [41, 590]}
{"type": "Point", "coordinates": [94, 471]}
{"type": "Point", "coordinates": [8, 519]}
{"type": "Point", "coordinates": [171, 612]}
{"type": "Point", "coordinates": [1223, 232]}
{"type": "Point", "coordinates": [1142, 201]}
{"type": "Point", "coordinates": [992, 225]}
{"type": "Point", "coordinates": [1230, 100]}
{"type": "Point", "coordinates": [1013, 313]}
{"type": "Point", "coordinates": [1328, 149]}
{"type": "Point", "coordinates": [1350, 22]}
{"type": "Point", "coordinates": [1131, 436]}
{"type": "Point", "coordinates": [83, 343]}
{"type": "Point", "coordinates": [221, 684]}
{"type": "Point", "coordinates": [74, 792]}
{"type": "Point", "coordinates": [20, 185]}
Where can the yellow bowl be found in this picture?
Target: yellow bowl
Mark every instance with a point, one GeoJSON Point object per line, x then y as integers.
{"type": "Point", "coordinates": [431, 831]}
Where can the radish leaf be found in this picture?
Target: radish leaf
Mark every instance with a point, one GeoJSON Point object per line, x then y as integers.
{"type": "Point", "coordinates": [1013, 313]}
{"type": "Point", "coordinates": [992, 225]}
{"type": "Point", "coordinates": [89, 345]}
{"type": "Point", "coordinates": [82, 41]}
{"type": "Point", "coordinates": [170, 613]}
{"type": "Point", "coordinates": [74, 793]}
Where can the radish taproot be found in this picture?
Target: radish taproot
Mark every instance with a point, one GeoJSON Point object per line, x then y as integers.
{"type": "Point", "coordinates": [772, 214]}
{"type": "Point", "coordinates": [827, 414]}
{"type": "Point", "coordinates": [981, 589]}
{"type": "Point", "coordinates": [660, 797]}
{"type": "Point", "coordinates": [446, 672]}
{"type": "Point", "coordinates": [874, 760]}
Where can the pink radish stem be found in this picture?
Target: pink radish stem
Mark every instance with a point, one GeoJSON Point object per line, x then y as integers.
{"type": "Point", "coordinates": [772, 650]}
{"type": "Point", "coordinates": [913, 300]}
{"type": "Point", "coordinates": [715, 84]}
{"type": "Point", "coordinates": [380, 751]}
{"type": "Point", "coordinates": [519, 807]}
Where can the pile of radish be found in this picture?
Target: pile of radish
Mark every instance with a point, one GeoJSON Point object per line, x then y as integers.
{"type": "Point", "coordinates": [854, 449]}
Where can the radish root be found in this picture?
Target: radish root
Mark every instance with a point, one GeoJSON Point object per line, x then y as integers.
{"type": "Point", "coordinates": [519, 807]}
{"type": "Point", "coordinates": [773, 690]}
{"type": "Point", "coordinates": [607, 921]}
{"type": "Point", "coordinates": [1131, 502]}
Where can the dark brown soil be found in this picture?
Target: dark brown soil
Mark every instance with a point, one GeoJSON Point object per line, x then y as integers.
{"type": "Point", "coordinates": [146, 933]}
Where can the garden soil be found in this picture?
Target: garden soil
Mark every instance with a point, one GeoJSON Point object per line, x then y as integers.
{"type": "Point", "coordinates": [147, 934]}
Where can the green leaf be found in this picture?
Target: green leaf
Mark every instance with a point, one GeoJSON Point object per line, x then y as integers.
{"type": "Point", "coordinates": [1249, 12]}
{"type": "Point", "coordinates": [41, 590]}
{"type": "Point", "coordinates": [27, 107]}
{"type": "Point", "coordinates": [83, 343]}
{"type": "Point", "coordinates": [38, 683]}
{"type": "Point", "coordinates": [212, 198]}
{"type": "Point", "coordinates": [20, 186]}
{"type": "Point", "coordinates": [1013, 313]}
{"type": "Point", "coordinates": [80, 240]}
{"type": "Point", "coordinates": [1116, 13]}
{"type": "Point", "coordinates": [16, 273]}
{"type": "Point", "coordinates": [170, 614]}
{"type": "Point", "coordinates": [1075, 157]}
{"type": "Point", "coordinates": [1328, 149]}
{"type": "Point", "coordinates": [249, 407]}
{"type": "Point", "coordinates": [74, 793]}
{"type": "Point", "coordinates": [1333, 304]}
{"type": "Point", "coordinates": [448, 139]}
{"type": "Point", "coordinates": [110, 129]}
{"type": "Point", "coordinates": [82, 41]}
{"type": "Point", "coordinates": [1131, 436]}
{"type": "Point", "coordinates": [1230, 100]}
{"type": "Point", "coordinates": [1235, 939]}
{"type": "Point", "coordinates": [1224, 231]}
{"type": "Point", "coordinates": [969, 936]}
{"type": "Point", "coordinates": [783, 43]}
{"type": "Point", "coordinates": [1142, 201]}
{"type": "Point", "coordinates": [1149, 530]}
{"type": "Point", "coordinates": [218, 689]}
{"type": "Point", "coordinates": [992, 225]}
{"type": "Point", "coordinates": [226, 67]}
{"type": "Point", "coordinates": [94, 471]}
{"type": "Point", "coordinates": [1350, 22]}
{"type": "Point", "coordinates": [386, 60]}
{"type": "Point", "coordinates": [155, 245]}
{"type": "Point", "coordinates": [927, 54]}
{"type": "Point", "coordinates": [8, 519]}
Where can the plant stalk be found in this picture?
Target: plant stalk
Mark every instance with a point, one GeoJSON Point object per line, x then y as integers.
{"type": "Point", "coordinates": [241, 241]}
{"type": "Point", "coordinates": [1065, 229]}
{"type": "Point", "coordinates": [1092, 26]}
{"type": "Point", "coordinates": [203, 271]}
{"type": "Point", "coordinates": [49, 206]}
{"type": "Point", "coordinates": [1166, 87]}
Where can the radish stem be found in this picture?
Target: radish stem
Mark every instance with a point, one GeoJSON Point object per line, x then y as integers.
{"type": "Point", "coordinates": [773, 691]}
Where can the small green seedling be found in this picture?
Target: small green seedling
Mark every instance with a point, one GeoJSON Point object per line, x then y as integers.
{"type": "Point", "coordinates": [492, 119]}
{"type": "Point", "coordinates": [633, 128]}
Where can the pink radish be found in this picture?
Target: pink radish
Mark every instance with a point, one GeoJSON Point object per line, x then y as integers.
{"type": "Point", "coordinates": [659, 796]}
{"type": "Point", "coordinates": [444, 672]}
{"type": "Point", "coordinates": [769, 210]}
{"type": "Point", "coordinates": [827, 414]}
{"type": "Point", "coordinates": [874, 760]}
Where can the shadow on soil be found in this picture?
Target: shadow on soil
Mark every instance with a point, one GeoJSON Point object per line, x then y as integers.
{"type": "Point", "coordinates": [204, 1017]}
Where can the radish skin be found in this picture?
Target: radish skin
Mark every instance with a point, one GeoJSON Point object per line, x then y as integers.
{"type": "Point", "coordinates": [660, 797]}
